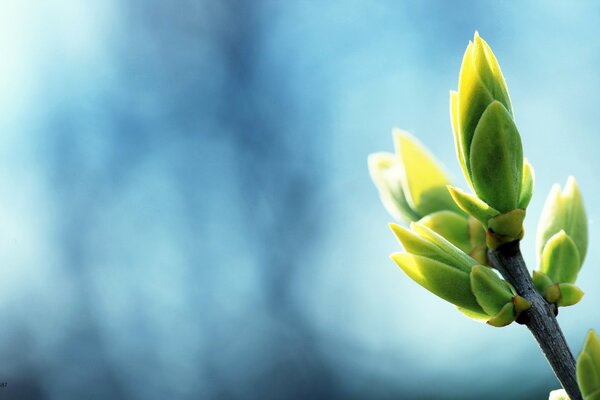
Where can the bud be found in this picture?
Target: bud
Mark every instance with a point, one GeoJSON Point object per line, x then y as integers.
{"type": "Point", "coordinates": [488, 144]}
{"type": "Point", "coordinates": [564, 211]}
{"type": "Point", "coordinates": [561, 245]}
{"type": "Point", "coordinates": [497, 298]}
{"type": "Point", "coordinates": [446, 271]}
{"type": "Point", "coordinates": [588, 367]}
{"type": "Point", "coordinates": [412, 187]}
{"type": "Point", "coordinates": [411, 183]}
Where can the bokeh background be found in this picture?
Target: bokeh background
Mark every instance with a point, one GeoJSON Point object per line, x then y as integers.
{"type": "Point", "coordinates": [185, 208]}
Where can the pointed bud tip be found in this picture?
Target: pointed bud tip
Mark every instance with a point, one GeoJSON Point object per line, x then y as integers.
{"type": "Point", "coordinates": [571, 187]}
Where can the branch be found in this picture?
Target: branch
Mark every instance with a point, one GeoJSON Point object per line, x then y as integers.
{"type": "Point", "coordinates": [540, 319]}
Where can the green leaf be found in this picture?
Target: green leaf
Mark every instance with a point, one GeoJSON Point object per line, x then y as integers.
{"type": "Point", "coordinates": [560, 259]}
{"type": "Point", "coordinates": [386, 173]}
{"type": "Point", "coordinates": [423, 180]}
{"type": "Point", "coordinates": [489, 70]}
{"type": "Point", "coordinates": [526, 185]}
{"type": "Point", "coordinates": [473, 205]}
{"type": "Point", "coordinates": [440, 279]}
{"type": "Point", "coordinates": [417, 245]}
{"type": "Point", "coordinates": [451, 226]}
{"type": "Point", "coordinates": [489, 290]}
{"type": "Point", "coordinates": [496, 159]}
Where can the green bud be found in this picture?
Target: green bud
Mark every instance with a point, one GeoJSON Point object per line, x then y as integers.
{"type": "Point", "coordinates": [496, 297]}
{"type": "Point", "coordinates": [487, 142]}
{"type": "Point", "coordinates": [480, 83]}
{"type": "Point", "coordinates": [560, 259]}
{"type": "Point", "coordinates": [449, 283]}
{"type": "Point", "coordinates": [561, 294]}
{"type": "Point", "coordinates": [564, 211]}
{"type": "Point", "coordinates": [588, 367]}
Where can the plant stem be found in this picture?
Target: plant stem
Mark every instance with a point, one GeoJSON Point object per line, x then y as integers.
{"type": "Point", "coordinates": [540, 319]}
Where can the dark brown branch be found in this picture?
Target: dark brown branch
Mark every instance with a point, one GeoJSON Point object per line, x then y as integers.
{"type": "Point", "coordinates": [540, 319]}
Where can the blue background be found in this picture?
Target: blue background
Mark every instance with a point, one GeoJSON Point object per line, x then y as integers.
{"type": "Point", "coordinates": [185, 208]}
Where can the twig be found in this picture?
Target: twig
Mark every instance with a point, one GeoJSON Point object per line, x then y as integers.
{"type": "Point", "coordinates": [540, 319]}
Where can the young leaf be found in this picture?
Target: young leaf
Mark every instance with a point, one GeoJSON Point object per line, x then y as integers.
{"type": "Point", "coordinates": [560, 259]}
{"type": "Point", "coordinates": [473, 205]}
{"type": "Point", "coordinates": [423, 180]}
{"type": "Point", "coordinates": [489, 290]}
{"type": "Point", "coordinates": [386, 173]}
{"type": "Point", "coordinates": [496, 159]}
{"type": "Point", "coordinates": [526, 185]}
{"type": "Point", "coordinates": [445, 246]}
{"type": "Point", "coordinates": [417, 245]}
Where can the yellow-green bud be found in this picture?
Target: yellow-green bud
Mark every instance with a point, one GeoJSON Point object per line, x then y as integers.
{"type": "Point", "coordinates": [411, 183]}
{"type": "Point", "coordinates": [488, 145]}
{"type": "Point", "coordinates": [564, 211]}
{"type": "Point", "coordinates": [588, 367]}
{"type": "Point", "coordinates": [437, 265]}
{"type": "Point", "coordinates": [561, 245]}
{"type": "Point", "coordinates": [496, 297]}
{"type": "Point", "coordinates": [487, 142]}
{"type": "Point", "coordinates": [443, 280]}
{"type": "Point", "coordinates": [561, 294]}
{"type": "Point", "coordinates": [446, 271]}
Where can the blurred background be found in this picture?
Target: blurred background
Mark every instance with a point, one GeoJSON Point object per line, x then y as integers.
{"type": "Point", "coordinates": [186, 212]}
